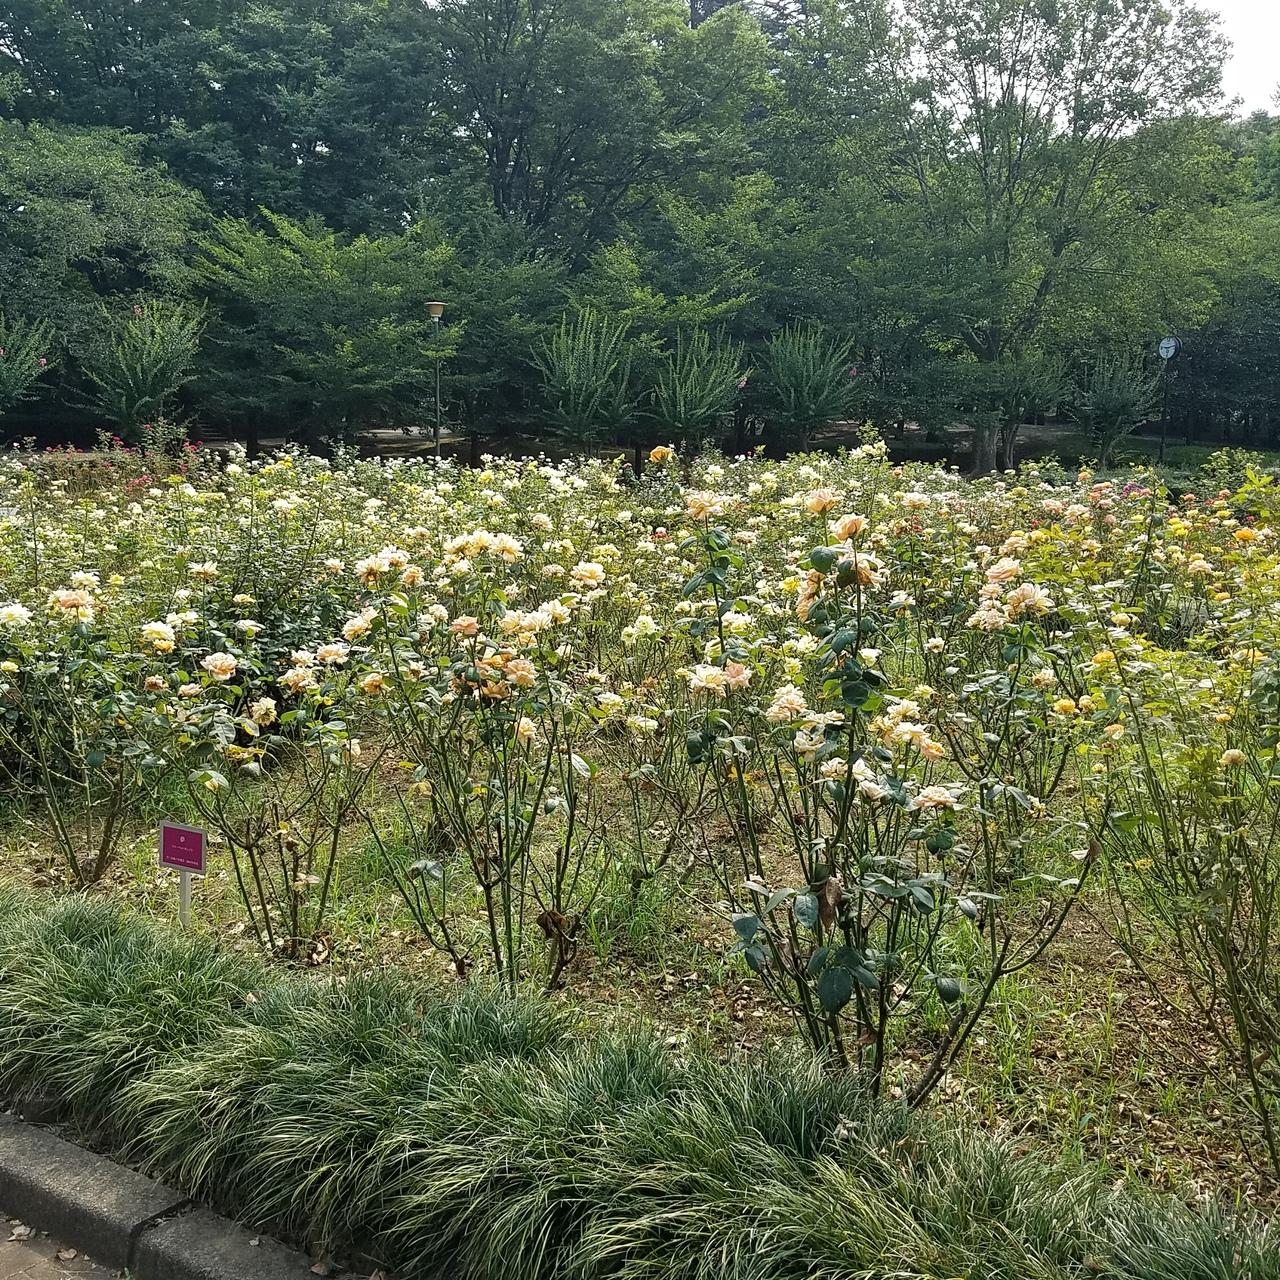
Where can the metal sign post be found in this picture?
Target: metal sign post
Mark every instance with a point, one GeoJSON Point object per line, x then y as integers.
{"type": "Point", "coordinates": [182, 849]}
{"type": "Point", "coordinates": [1167, 350]}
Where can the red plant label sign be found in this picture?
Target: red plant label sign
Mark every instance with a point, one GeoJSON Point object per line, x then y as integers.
{"type": "Point", "coordinates": [182, 848]}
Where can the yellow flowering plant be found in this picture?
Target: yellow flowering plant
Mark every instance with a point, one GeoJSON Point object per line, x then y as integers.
{"type": "Point", "coordinates": [1185, 804]}
{"type": "Point", "coordinates": [500, 796]}
{"type": "Point", "coordinates": [279, 782]}
{"type": "Point", "coordinates": [882, 847]}
{"type": "Point", "coordinates": [881, 721]}
{"type": "Point", "coordinates": [79, 719]}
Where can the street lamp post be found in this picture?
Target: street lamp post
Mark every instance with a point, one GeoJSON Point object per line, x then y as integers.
{"type": "Point", "coordinates": [435, 310]}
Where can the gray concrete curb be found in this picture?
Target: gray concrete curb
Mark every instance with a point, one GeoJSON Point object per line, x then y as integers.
{"type": "Point", "coordinates": [124, 1219]}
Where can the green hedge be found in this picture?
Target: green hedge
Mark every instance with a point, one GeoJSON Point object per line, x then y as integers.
{"type": "Point", "coordinates": [458, 1132]}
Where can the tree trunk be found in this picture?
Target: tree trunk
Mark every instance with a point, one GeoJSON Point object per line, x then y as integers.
{"type": "Point", "coordinates": [984, 448]}
{"type": "Point", "coordinates": [1008, 438]}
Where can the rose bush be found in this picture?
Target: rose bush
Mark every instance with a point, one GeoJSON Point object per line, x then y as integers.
{"type": "Point", "coordinates": [895, 719]}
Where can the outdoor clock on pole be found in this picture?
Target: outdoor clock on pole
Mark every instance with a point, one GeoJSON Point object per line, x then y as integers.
{"type": "Point", "coordinates": [1168, 348]}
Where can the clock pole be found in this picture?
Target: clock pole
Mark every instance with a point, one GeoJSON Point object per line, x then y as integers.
{"type": "Point", "coordinates": [1168, 349]}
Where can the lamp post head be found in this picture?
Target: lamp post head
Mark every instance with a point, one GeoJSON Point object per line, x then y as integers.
{"type": "Point", "coordinates": [435, 310]}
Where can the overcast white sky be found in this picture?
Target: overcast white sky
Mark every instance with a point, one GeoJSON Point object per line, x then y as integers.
{"type": "Point", "coordinates": [1253, 73]}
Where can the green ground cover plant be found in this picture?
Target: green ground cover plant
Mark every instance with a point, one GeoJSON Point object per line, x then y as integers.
{"type": "Point", "coordinates": [465, 1131]}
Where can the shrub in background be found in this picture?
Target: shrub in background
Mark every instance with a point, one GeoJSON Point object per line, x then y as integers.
{"type": "Point", "coordinates": [1027, 385]}
{"type": "Point", "coordinates": [808, 381]}
{"type": "Point", "coordinates": [145, 356]}
{"type": "Point", "coordinates": [696, 385]}
{"type": "Point", "coordinates": [24, 359]}
{"type": "Point", "coordinates": [586, 378]}
{"type": "Point", "coordinates": [1115, 396]}
{"type": "Point", "coordinates": [1229, 469]}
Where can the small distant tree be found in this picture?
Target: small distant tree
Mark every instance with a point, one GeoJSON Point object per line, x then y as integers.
{"type": "Point", "coordinates": [24, 359]}
{"type": "Point", "coordinates": [808, 381]}
{"type": "Point", "coordinates": [1028, 148]}
{"type": "Point", "coordinates": [145, 358]}
{"type": "Point", "coordinates": [325, 333]}
{"type": "Point", "coordinates": [586, 378]}
{"type": "Point", "coordinates": [696, 384]}
{"type": "Point", "coordinates": [1116, 395]}
{"type": "Point", "coordinates": [1023, 385]}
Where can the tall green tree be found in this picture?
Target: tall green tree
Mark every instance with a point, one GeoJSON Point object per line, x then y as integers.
{"type": "Point", "coordinates": [958, 187]}
{"type": "Point", "coordinates": [310, 107]}
{"type": "Point", "coordinates": [83, 217]}
{"type": "Point", "coordinates": [1020, 144]}
{"type": "Point", "coordinates": [328, 333]}
{"type": "Point", "coordinates": [577, 114]}
{"type": "Point", "coordinates": [1225, 383]}
{"type": "Point", "coordinates": [83, 221]}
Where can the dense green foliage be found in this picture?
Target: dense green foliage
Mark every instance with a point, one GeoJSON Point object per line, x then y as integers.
{"type": "Point", "coordinates": [469, 1133]}
{"type": "Point", "coordinates": [972, 188]}
{"type": "Point", "coordinates": [586, 376]}
{"type": "Point", "coordinates": [22, 359]}
{"type": "Point", "coordinates": [143, 359]}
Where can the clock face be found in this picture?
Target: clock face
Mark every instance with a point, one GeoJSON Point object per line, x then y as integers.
{"type": "Point", "coordinates": [1169, 348]}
